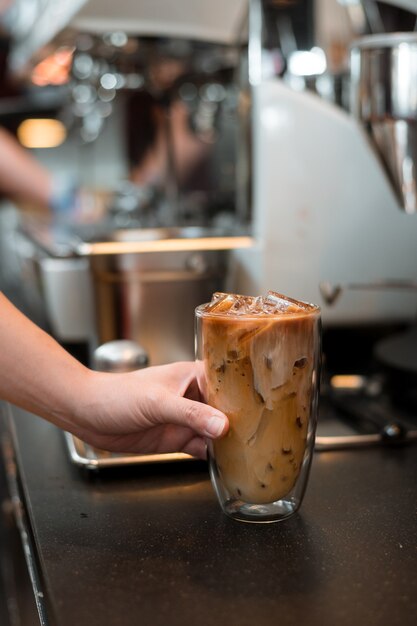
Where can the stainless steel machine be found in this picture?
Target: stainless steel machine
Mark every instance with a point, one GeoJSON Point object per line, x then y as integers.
{"type": "Point", "coordinates": [384, 100]}
{"type": "Point", "coordinates": [248, 130]}
{"type": "Point", "coordinates": [139, 284]}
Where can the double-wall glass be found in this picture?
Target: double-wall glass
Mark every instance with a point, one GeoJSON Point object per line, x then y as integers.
{"type": "Point", "coordinates": [262, 370]}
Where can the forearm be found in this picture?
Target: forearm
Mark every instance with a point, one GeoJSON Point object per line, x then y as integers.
{"type": "Point", "coordinates": [36, 373]}
{"type": "Point", "coordinates": [21, 176]}
{"type": "Point", "coordinates": [153, 410]}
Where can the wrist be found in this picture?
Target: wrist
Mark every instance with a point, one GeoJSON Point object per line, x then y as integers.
{"type": "Point", "coordinates": [90, 402]}
{"type": "Point", "coordinates": [65, 406]}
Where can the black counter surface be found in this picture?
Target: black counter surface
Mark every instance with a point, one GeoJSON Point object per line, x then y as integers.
{"type": "Point", "coordinates": [149, 545]}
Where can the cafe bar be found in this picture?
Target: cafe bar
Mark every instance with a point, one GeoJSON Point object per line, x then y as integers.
{"type": "Point", "coordinates": [208, 297]}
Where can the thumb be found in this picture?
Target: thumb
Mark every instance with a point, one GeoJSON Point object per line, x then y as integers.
{"type": "Point", "coordinates": [201, 418]}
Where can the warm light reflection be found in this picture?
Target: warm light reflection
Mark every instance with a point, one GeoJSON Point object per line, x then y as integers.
{"type": "Point", "coordinates": [347, 381]}
{"type": "Point", "coordinates": [167, 245]}
{"type": "Point", "coordinates": [41, 133]}
{"type": "Point", "coordinates": [54, 69]}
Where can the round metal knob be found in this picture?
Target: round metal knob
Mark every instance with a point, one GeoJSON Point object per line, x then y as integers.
{"type": "Point", "coordinates": [120, 356]}
{"type": "Point", "coordinates": [393, 432]}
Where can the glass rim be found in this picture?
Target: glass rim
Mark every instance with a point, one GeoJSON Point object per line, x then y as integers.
{"type": "Point", "coordinates": [312, 311]}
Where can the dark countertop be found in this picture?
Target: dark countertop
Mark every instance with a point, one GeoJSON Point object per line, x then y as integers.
{"type": "Point", "coordinates": [149, 545]}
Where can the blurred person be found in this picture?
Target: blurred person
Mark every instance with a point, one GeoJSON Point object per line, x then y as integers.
{"type": "Point", "coordinates": [33, 189]}
{"type": "Point", "coordinates": [22, 178]}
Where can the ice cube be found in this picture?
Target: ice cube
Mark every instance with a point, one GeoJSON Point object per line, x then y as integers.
{"type": "Point", "coordinates": [220, 302]}
{"type": "Point", "coordinates": [272, 304]}
{"type": "Point", "coordinates": [218, 295]}
{"type": "Point", "coordinates": [284, 304]}
{"type": "Point", "coordinates": [243, 305]}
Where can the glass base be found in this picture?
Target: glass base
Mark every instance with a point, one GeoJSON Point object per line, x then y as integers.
{"type": "Point", "coordinates": [260, 513]}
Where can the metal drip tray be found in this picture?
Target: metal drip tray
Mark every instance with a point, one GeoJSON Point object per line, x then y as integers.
{"type": "Point", "coordinates": [91, 458]}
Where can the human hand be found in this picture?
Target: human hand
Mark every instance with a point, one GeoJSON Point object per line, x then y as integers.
{"type": "Point", "coordinates": [154, 410]}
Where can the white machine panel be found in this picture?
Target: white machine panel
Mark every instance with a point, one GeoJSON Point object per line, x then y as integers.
{"type": "Point", "coordinates": [323, 211]}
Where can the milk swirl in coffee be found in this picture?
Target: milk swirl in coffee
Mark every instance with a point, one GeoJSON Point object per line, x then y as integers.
{"type": "Point", "coordinates": [258, 359]}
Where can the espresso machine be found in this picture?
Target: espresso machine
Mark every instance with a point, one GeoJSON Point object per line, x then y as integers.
{"type": "Point", "coordinates": [333, 189]}
{"type": "Point", "coordinates": [305, 176]}
{"type": "Point", "coordinates": [316, 156]}
{"type": "Point", "coordinates": [326, 206]}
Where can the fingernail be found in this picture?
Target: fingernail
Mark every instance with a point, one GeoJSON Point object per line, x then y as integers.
{"type": "Point", "coordinates": [215, 426]}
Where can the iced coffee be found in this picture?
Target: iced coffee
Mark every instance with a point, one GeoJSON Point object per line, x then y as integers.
{"type": "Point", "coordinates": [260, 360]}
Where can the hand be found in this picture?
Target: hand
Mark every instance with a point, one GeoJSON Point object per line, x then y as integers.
{"type": "Point", "coordinates": [154, 410]}
{"type": "Point", "coordinates": [158, 409]}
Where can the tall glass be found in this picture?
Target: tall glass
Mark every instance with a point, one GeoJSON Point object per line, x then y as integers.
{"type": "Point", "coordinates": [261, 368]}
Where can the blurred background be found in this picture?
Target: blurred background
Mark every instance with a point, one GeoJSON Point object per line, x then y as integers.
{"type": "Point", "coordinates": [248, 123]}
{"type": "Point", "coordinates": [154, 152]}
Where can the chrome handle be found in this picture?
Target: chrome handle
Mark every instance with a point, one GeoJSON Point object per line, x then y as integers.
{"type": "Point", "coordinates": [332, 292]}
